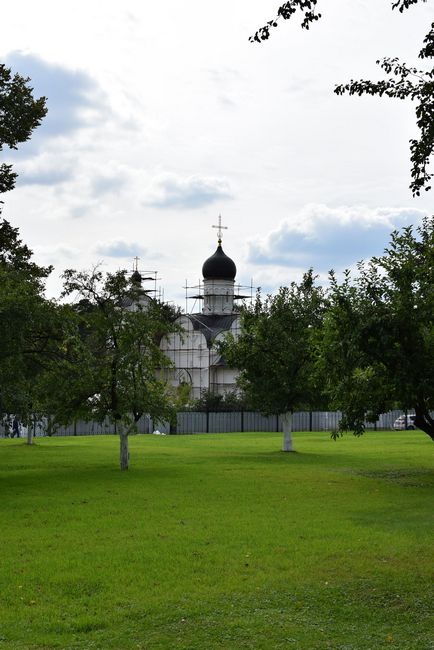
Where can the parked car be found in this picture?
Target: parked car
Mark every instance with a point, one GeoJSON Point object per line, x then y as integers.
{"type": "Point", "coordinates": [404, 422]}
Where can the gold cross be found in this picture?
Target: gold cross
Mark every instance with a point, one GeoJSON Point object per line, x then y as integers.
{"type": "Point", "coordinates": [220, 228]}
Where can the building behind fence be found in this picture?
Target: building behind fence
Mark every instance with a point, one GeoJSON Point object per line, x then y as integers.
{"type": "Point", "coordinates": [198, 422]}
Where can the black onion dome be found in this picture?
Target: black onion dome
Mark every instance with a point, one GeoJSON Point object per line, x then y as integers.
{"type": "Point", "coordinates": [136, 278]}
{"type": "Point", "coordinates": [219, 266]}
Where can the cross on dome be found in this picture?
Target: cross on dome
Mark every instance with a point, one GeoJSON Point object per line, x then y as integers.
{"type": "Point", "coordinates": [220, 228]}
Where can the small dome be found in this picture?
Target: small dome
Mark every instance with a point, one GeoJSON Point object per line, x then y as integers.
{"type": "Point", "coordinates": [219, 266]}
{"type": "Point", "coordinates": [136, 278]}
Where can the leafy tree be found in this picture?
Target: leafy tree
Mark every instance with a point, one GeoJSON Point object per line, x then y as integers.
{"type": "Point", "coordinates": [16, 256]}
{"type": "Point", "coordinates": [111, 356]}
{"type": "Point", "coordinates": [27, 320]}
{"type": "Point", "coordinates": [20, 114]}
{"type": "Point", "coordinates": [275, 351]}
{"type": "Point", "coordinates": [377, 346]}
{"type": "Point", "coordinates": [229, 402]}
{"type": "Point", "coordinates": [403, 82]}
{"type": "Point", "coordinates": [28, 324]}
{"type": "Point", "coordinates": [182, 396]}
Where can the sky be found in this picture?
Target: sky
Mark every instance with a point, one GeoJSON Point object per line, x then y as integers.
{"type": "Point", "coordinates": [162, 116]}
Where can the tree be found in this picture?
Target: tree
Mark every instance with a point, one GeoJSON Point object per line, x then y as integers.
{"type": "Point", "coordinates": [26, 318]}
{"type": "Point", "coordinates": [403, 82]}
{"type": "Point", "coordinates": [20, 114]}
{"type": "Point", "coordinates": [28, 324]}
{"type": "Point", "coordinates": [377, 345]}
{"type": "Point", "coordinates": [275, 351]}
{"type": "Point", "coordinates": [214, 402]}
{"type": "Point", "coordinates": [111, 356]}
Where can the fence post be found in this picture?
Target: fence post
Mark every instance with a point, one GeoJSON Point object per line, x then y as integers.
{"type": "Point", "coordinates": [242, 421]}
{"type": "Point", "coordinates": [310, 420]}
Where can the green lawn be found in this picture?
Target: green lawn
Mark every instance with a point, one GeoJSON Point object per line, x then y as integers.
{"type": "Point", "coordinates": [217, 541]}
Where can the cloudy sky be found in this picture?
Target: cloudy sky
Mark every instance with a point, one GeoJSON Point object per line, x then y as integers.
{"type": "Point", "coordinates": [163, 115]}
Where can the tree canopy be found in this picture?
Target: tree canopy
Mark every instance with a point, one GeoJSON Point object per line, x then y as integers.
{"type": "Point", "coordinates": [20, 114]}
{"type": "Point", "coordinates": [377, 347]}
{"type": "Point", "coordinates": [403, 82]}
{"type": "Point", "coordinates": [28, 323]}
{"type": "Point", "coordinates": [111, 355]}
{"type": "Point", "coordinates": [275, 350]}
{"type": "Point", "coordinates": [363, 346]}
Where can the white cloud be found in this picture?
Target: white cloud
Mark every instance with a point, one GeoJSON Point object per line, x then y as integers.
{"type": "Point", "coordinates": [131, 98]}
{"type": "Point", "coordinates": [173, 191]}
{"type": "Point", "coordinates": [73, 97]}
{"type": "Point", "coordinates": [55, 255]}
{"type": "Point", "coordinates": [120, 248]}
{"type": "Point", "coordinates": [106, 183]}
{"type": "Point", "coordinates": [45, 169]}
{"type": "Point", "coordinates": [326, 238]}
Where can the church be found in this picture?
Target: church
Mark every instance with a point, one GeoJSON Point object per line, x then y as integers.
{"type": "Point", "coordinates": [193, 351]}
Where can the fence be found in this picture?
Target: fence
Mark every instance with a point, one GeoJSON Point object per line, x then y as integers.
{"type": "Point", "coordinates": [189, 422]}
{"type": "Point", "coordinates": [193, 422]}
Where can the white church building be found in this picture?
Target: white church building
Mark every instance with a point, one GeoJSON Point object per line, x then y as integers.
{"type": "Point", "coordinates": [193, 351]}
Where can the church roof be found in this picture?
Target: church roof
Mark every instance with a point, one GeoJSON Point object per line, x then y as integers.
{"type": "Point", "coordinates": [212, 324]}
{"type": "Point", "coordinates": [219, 266]}
{"type": "Point", "coordinates": [136, 278]}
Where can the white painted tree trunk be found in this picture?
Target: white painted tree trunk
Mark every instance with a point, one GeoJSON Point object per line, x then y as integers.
{"type": "Point", "coordinates": [124, 453]}
{"type": "Point", "coordinates": [287, 431]}
{"type": "Point", "coordinates": [30, 433]}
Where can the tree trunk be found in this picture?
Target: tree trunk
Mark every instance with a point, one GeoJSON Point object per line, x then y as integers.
{"type": "Point", "coordinates": [124, 453]}
{"type": "Point", "coordinates": [30, 433]}
{"type": "Point", "coordinates": [287, 430]}
{"type": "Point", "coordinates": [424, 421]}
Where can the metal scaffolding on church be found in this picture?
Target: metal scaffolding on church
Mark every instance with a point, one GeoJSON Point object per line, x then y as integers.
{"type": "Point", "coordinates": [210, 314]}
{"type": "Point", "coordinates": [198, 293]}
{"type": "Point", "coordinates": [142, 275]}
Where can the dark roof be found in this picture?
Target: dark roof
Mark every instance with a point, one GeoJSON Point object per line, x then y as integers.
{"type": "Point", "coordinates": [136, 278]}
{"type": "Point", "coordinates": [211, 324]}
{"type": "Point", "coordinates": [219, 266]}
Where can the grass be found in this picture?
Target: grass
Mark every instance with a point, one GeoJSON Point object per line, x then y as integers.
{"type": "Point", "coordinates": [217, 541]}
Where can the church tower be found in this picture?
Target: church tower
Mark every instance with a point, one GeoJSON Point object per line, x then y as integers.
{"type": "Point", "coordinates": [219, 273]}
{"type": "Point", "coordinates": [194, 350]}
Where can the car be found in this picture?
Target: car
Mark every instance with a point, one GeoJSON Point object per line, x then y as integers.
{"type": "Point", "coordinates": [404, 422]}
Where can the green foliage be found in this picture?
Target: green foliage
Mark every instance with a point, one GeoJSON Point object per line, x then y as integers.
{"type": "Point", "coordinates": [214, 402]}
{"type": "Point", "coordinates": [403, 82]}
{"type": "Point", "coordinates": [377, 347]}
{"type": "Point", "coordinates": [217, 542]}
{"type": "Point", "coordinates": [20, 114]}
{"type": "Point", "coordinates": [182, 396]}
{"type": "Point", "coordinates": [310, 15]}
{"type": "Point", "coordinates": [28, 323]}
{"type": "Point", "coordinates": [275, 350]}
{"type": "Point", "coordinates": [406, 82]}
{"type": "Point", "coordinates": [111, 353]}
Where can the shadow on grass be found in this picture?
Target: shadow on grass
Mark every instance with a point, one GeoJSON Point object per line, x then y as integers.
{"type": "Point", "coordinates": [281, 458]}
{"type": "Point", "coordinates": [50, 481]}
{"type": "Point", "coordinates": [52, 464]}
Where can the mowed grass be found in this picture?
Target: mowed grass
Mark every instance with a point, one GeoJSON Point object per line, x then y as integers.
{"type": "Point", "coordinates": [217, 541]}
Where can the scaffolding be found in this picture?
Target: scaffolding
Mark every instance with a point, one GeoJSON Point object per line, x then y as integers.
{"type": "Point", "coordinates": [196, 292]}
{"type": "Point", "coordinates": [149, 276]}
